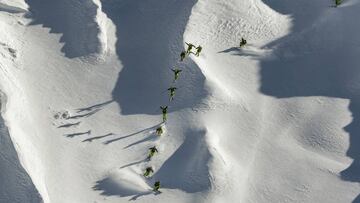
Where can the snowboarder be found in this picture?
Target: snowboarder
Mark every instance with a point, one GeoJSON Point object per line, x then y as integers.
{"type": "Point", "coordinates": [182, 55]}
{"type": "Point", "coordinates": [148, 171]}
{"type": "Point", "coordinates": [159, 131]}
{"type": "Point", "coordinates": [176, 73]}
{"type": "Point", "coordinates": [152, 151]}
{"type": "Point", "coordinates": [243, 42]}
{"type": "Point", "coordinates": [190, 46]}
{"type": "Point", "coordinates": [164, 112]}
{"type": "Point", "coordinates": [172, 92]}
{"type": "Point", "coordinates": [156, 186]}
{"type": "Point", "coordinates": [198, 50]}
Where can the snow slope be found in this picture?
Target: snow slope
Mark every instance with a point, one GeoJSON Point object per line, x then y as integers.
{"type": "Point", "coordinates": [16, 184]}
{"type": "Point", "coordinates": [275, 121]}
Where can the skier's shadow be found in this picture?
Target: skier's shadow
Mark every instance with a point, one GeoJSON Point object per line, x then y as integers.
{"type": "Point", "coordinates": [94, 107]}
{"type": "Point", "coordinates": [149, 41]}
{"type": "Point", "coordinates": [135, 163]}
{"type": "Point", "coordinates": [151, 137]}
{"type": "Point", "coordinates": [247, 51]}
{"type": "Point", "coordinates": [140, 195]}
{"type": "Point", "coordinates": [145, 131]}
{"type": "Point", "coordinates": [325, 70]}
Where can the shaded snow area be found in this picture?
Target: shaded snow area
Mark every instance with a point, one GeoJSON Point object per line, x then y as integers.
{"type": "Point", "coordinates": [16, 185]}
{"type": "Point", "coordinates": [276, 120]}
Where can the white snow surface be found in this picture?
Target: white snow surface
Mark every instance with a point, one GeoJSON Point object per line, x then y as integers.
{"type": "Point", "coordinates": [275, 121]}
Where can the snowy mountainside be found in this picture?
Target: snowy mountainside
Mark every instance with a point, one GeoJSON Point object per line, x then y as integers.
{"type": "Point", "coordinates": [273, 121]}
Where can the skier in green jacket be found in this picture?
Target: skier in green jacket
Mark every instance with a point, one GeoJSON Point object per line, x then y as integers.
{"type": "Point", "coordinates": [148, 171]}
{"type": "Point", "coordinates": [172, 92]}
{"type": "Point", "coordinates": [198, 50]}
{"type": "Point", "coordinates": [176, 73]}
{"type": "Point", "coordinates": [156, 186]}
{"type": "Point", "coordinates": [164, 112]}
{"type": "Point", "coordinates": [337, 2]}
{"type": "Point", "coordinates": [159, 131]}
{"type": "Point", "coordinates": [152, 151]}
{"type": "Point", "coordinates": [243, 42]}
{"type": "Point", "coordinates": [189, 48]}
{"type": "Point", "coordinates": [182, 55]}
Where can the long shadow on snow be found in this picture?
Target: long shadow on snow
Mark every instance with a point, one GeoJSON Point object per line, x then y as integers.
{"type": "Point", "coordinates": [97, 137]}
{"type": "Point", "coordinates": [69, 125]}
{"type": "Point", "coordinates": [327, 71]}
{"type": "Point", "coordinates": [149, 42]}
{"type": "Point", "coordinates": [75, 19]}
{"type": "Point", "coordinates": [244, 51]}
{"type": "Point", "coordinates": [187, 169]}
{"type": "Point", "coordinates": [78, 134]}
{"type": "Point", "coordinates": [144, 131]}
{"type": "Point", "coordinates": [134, 163]}
{"type": "Point", "coordinates": [94, 107]}
{"type": "Point", "coordinates": [146, 139]}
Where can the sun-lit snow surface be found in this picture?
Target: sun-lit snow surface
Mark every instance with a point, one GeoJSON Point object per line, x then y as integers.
{"type": "Point", "coordinates": [276, 121]}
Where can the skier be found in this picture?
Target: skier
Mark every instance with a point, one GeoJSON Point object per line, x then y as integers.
{"type": "Point", "coordinates": [243, 42]}
{"type": "Point", "coordinates": [190, 46]}
{"type": "Point", "coordinates": [176, 73]}
{"type": "Point", "coordinates": [337, 2]}
{"type": "Point", "coordinates": [148, 171]}
{"type": "Point", "coordinates": [152, 151]}
{"type": "Point", "coordinates": [156, 186]}
{"type": "Point", "coordinates": [182, 55]}
{"type": "Point", "coordinates": [159, 131]}
{"type": "Point", "coordinates": [164, 112]}
{"type": "Point", "coordinates": [198, 50]}
{"type": "Point", "coordinates": [172, 92]}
